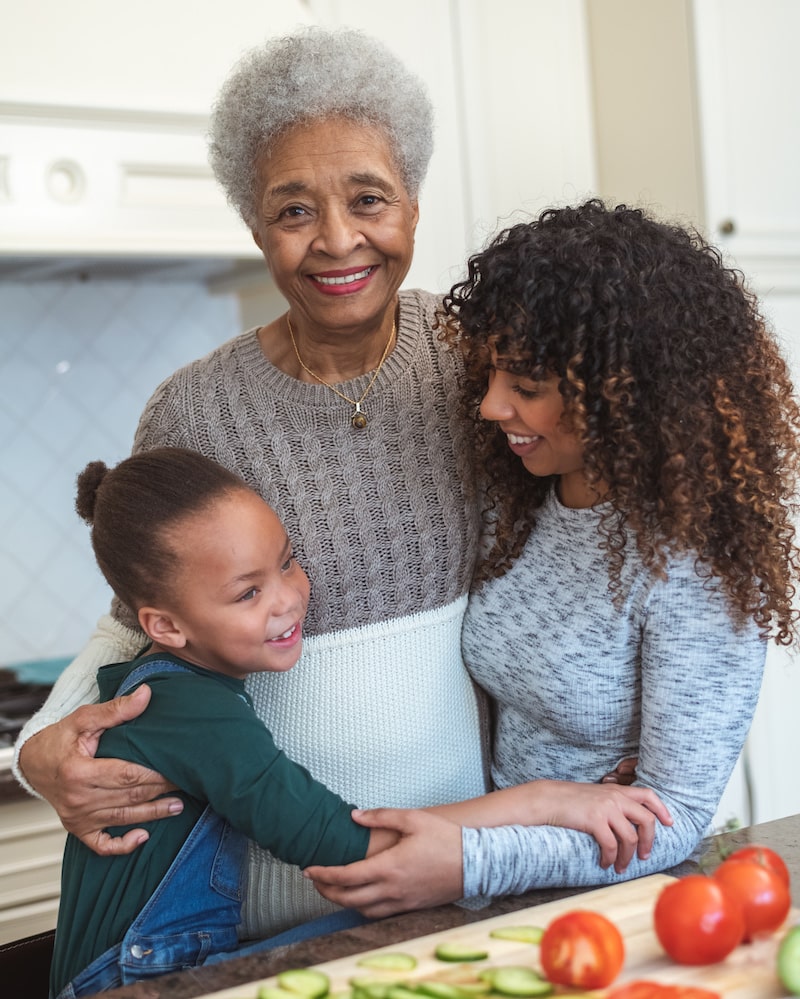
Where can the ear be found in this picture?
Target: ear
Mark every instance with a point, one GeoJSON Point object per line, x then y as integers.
{"type": "Point", "coordinates": [257, 239]}
{"type": "Point", "coordinates": [415, 211]}
{"type": "Point", "coordinates": [161, 627]}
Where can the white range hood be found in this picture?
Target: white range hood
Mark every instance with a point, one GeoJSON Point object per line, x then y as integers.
{"type": "Point", "coordinates": [123, 193]}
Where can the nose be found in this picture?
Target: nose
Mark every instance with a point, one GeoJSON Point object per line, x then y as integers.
{"type": "Point", "coordinates": [290, 594]}
{"type": "Point", "coordinates": [337, 233]}
{"type": "Point", "coordinates": [497, 404]}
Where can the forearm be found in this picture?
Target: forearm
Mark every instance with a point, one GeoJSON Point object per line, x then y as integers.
{"type": "Point", "coordinates": [77, 685]}
{"type": "Point", "coordinates": [510, 860]}
{"type": "Point", "coordinates": [525, 804]}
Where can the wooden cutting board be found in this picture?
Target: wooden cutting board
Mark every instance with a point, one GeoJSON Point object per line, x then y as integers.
{"type": "Point", "coordinates": [747, 973]}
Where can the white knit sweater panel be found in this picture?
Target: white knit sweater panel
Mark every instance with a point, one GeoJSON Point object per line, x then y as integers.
{"type": "Point", "coordinates": [384, 715]}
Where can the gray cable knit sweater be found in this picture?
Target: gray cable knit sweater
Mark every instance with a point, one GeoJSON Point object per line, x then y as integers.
{"type": "Point", "coordinates": [385, 522]}
{"type": "Point", "coordinates": [580, 684]}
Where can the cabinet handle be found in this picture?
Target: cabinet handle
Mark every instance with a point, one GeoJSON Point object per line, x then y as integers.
{"type": "Point", "coordinates": [727, 227]}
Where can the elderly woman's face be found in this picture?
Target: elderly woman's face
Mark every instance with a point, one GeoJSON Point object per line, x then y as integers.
{"type": "Point", "coordinates": [336, 224]}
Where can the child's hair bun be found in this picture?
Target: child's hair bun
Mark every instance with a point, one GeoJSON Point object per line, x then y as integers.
{"type": "Point", "coordinates": [88, 483]}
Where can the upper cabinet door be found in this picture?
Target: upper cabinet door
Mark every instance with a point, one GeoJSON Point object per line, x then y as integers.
{"type": "Point", "coordinates": [748, 85]}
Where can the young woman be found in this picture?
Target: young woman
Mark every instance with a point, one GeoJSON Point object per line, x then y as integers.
{"type": "Point", "coordinates": [639, 436]}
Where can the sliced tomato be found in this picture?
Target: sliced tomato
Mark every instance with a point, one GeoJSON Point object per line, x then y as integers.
{"type": "Point", "coordinates": [759, 890]}
{"type": "Point", "coordinates": [655, 990]}
{"type": "Point", "coordinates": [762, 855]}
{"type": "Point", "coordinates": [582, 948]}
{"type": "Point", "coordinates": [696, 921]}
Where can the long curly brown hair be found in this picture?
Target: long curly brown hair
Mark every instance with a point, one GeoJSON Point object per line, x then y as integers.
{"type": "Point", "coordinates": [670, 379]}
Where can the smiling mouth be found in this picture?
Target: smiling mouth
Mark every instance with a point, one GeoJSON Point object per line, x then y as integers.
{"type": "Point", "coordinates": [344, 278]}
{"type": "Point", "coordinates": [516, 439]}
{"type": "Point", "coordinates": [285, 635]}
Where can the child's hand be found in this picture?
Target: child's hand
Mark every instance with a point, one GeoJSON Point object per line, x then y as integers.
{"type": "Point", "coordinates": [421, 870]}
{"type": "Point", "coordinates": [622, 819]}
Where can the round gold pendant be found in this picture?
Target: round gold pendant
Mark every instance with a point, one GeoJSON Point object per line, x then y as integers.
{"type": "Point", "coordinates": [359, 421]}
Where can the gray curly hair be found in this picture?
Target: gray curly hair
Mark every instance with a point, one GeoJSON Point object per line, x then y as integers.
{"type": "Point", "coordinates": [311, 74]}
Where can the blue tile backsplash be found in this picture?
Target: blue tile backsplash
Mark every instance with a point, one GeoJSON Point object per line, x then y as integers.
{"type": "Point", "coordinates": [78, 361]}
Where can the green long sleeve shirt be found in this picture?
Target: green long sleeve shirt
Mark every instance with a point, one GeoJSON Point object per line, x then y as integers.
{"type": "Point", "coordinates": [200, 732]}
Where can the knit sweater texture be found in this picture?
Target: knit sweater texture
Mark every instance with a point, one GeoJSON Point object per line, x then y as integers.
{"type": "Point", "coordinates": [580, 683]}
{"type": "Point", "coordinates": [385, 522]}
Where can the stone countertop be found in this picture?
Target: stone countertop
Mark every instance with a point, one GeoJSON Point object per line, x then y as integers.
{"type": "Point", "coordinates": [782, 835]}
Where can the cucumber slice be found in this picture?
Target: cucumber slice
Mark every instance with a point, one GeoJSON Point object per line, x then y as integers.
{"type": "Point", "coordinates": [441, 990]}
{"type": "Point", "coordinates": [789, 961]}
{"type": "Point", "coordinates": [271, 992]}
{"type": "Point", "coordinates": [460, 952]}
{"type": "Point", "coordinates": [305, 982]}
{"type": "Point", "coordinates": [518, 981]}
{"type": "Point", "coordinates": [401, 992]}
{"type": "Point", "coordinates": [524, 934]}
{"type": "Point", "coordinates": [388, 962]}
{"type": "Point", "coordinates": [370, 988]}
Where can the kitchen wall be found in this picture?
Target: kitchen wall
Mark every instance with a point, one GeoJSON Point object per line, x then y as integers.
{"type": "Point", "coordinates": [78, 360]}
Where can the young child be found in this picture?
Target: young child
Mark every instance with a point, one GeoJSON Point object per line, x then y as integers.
{"type": "Point", "coordinates": [208, 568]}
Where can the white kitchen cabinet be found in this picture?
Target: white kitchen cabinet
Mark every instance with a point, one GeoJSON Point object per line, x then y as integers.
{"type": "Point", "coordinates": [748, 79]}
{"type": "Point", "coordinates": [31, 847]}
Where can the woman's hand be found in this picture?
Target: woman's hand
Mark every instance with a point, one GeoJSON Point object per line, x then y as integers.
{"type": "Point", "coordinates": [623, 773]}
{"type": "Point", "coordinates": [91, 794]}
{"type": "Point", "coordinates": [422, 870]}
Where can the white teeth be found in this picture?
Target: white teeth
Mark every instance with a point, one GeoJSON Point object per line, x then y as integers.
{"type": "Point", "coordinates": [286, 634]}
{"type": "Point", "coordinates": [347, 279]}
{"type": "Point", "coordinates": [516, 439]}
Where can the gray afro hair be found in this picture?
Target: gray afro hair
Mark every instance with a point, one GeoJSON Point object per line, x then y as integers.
{"type": "Point", "coordinates": [311, 74]}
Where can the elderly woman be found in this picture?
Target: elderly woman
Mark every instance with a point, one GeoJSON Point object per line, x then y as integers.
{"type": "Point", "coordinates": [337, 414]}
{"type": "Point", "coordinates": [342, 414]}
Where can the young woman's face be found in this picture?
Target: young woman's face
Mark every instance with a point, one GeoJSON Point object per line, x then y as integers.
{"type": "Point", "coordinates": [530, 412]}
{"type": "Point", "coordinates": [241, 597]}
{"type": "Point", "coordinates": [335, 224]}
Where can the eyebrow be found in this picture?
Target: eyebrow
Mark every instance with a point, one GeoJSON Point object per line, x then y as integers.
{"type": "Point", "coordinates": [300, 187]}
{"type": "Point", "coordinates": [256, 573]}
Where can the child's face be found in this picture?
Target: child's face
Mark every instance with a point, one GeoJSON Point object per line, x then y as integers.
{"type": "Point", "coordinates": [241, 597]}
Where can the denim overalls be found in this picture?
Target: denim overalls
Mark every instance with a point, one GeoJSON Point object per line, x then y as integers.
{"type": "Point", "coordinates": [194, 911]}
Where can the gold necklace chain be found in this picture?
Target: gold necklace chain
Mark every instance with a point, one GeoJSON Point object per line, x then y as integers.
{"type": "Point", "coordinates": [358, 419]}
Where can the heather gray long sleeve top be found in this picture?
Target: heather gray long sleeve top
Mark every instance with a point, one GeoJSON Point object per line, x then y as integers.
{"type": "Point", "coordinates": [580, 683]}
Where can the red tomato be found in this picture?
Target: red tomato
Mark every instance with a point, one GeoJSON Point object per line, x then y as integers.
{"type": "Point", "coordinates": [762, 894]}
{"type": "Point", "coordinates": [655, 990]}
{"type": "Point", "coordinates": [582, 948]}
{"type": "Point", "coordinates": [764, 856]}
{"type": "Point", "coordinates": [696, 922]}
